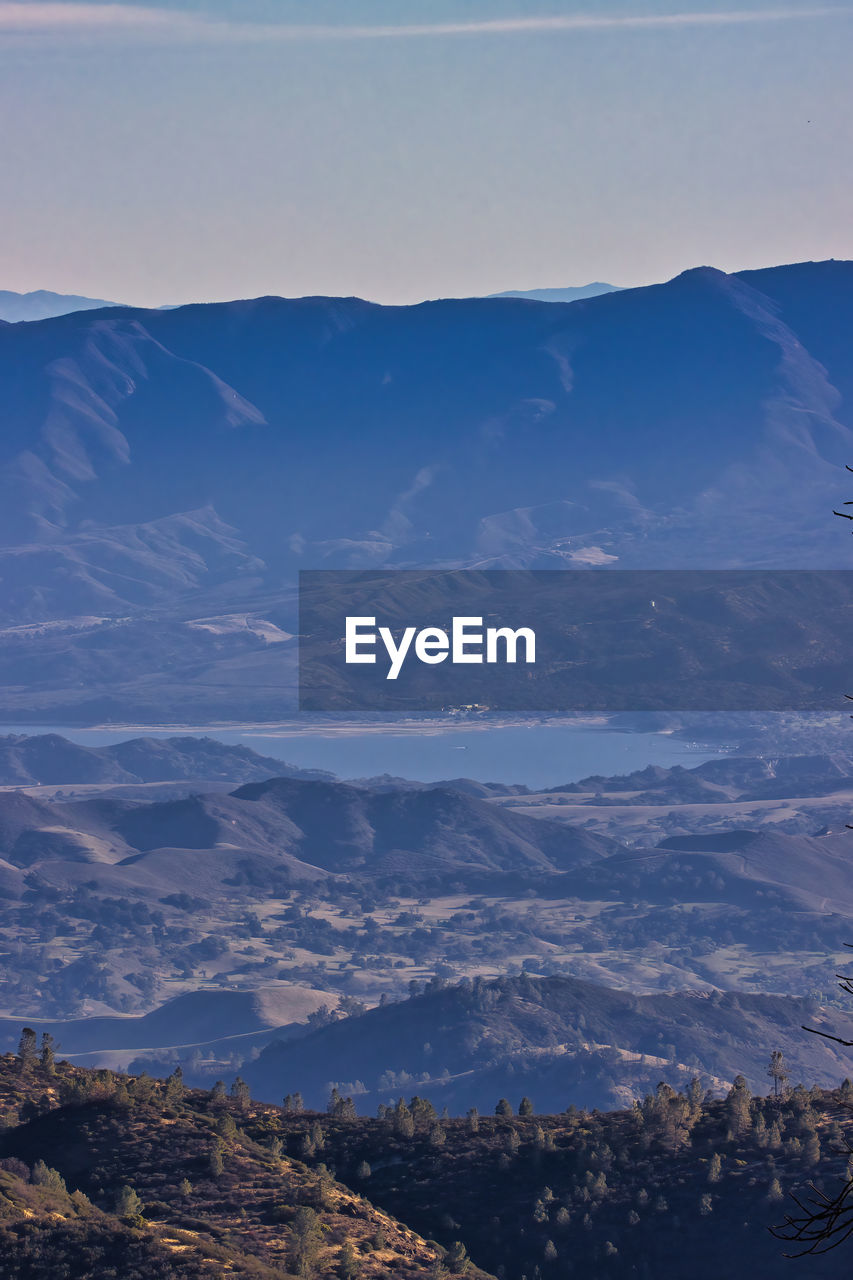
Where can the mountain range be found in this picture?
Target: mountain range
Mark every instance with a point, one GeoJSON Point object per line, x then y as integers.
{"type": "Point", "coordinates": [164, 473]}
{"type": "Point", "coordinates": [569, 294]}
{"type": "Point", "coordinates": [41, 304]}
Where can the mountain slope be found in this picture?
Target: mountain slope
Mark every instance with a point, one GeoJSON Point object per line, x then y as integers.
{"type": "Point", "coordinates": [306, 829]}
{"type": "Point", "coordinates": [210, 1200]}
{"type": "Point", "coordinates": [168, 470]}
{"type": "Point", "coordinates": [420, 836]}
{"type": "Point", "coordinates": [50, 759]}
{"type": "Point", "coordinates": [556, 1039]}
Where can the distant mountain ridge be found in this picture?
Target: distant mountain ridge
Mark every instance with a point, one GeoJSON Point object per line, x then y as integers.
{"type": "Point", "coordinates": [41, 304]}
{"type": "Point", "coordinates": [49, 759]}
{"type": "Point", "coordinates": [569, 294]}
{"type": "Point", "coordinates": [165, 473]}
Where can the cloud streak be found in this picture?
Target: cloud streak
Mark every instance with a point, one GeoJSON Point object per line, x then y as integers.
{"type": "Point", "coordinates": [36, 17]}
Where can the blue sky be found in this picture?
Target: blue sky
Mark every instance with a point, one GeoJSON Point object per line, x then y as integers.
{"type": "Point", "coordinates": [208, 149]}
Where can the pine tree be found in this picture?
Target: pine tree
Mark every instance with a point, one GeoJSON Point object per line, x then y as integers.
{"type": "Point", "coordinates": [404, 1123]}
{"type": "Point", "coordinates": [738, 1107]}
{"type": "Point", "coordinates": [216, 1163]}
{"type": "Point", "coordinates": [348, 1263]}
{"type": "Point", "coordinates": [778, 1073]}
{"type": "Point", "coordinates": [43, 1176]}
{"type": "Point", "coordinates": [695, 1095]}
{"type": "Point", "coordinates": [811, 1149]}
{"type": "Point", "coordinates": [305, 1235]}
{"type": "Point", "coordinates": [48, 1055]}
{"type": "Point", "coordinates": [27, 1048]}
{"type": "Point", "coordinates": [457, 1259]}
{"type": "Point", "coordinates": [241, 1094]}
{"type": "Point", "coordinates": [437, 1136]}
{"type": "Point", "coordinates": [226, 1127]}
{"type": "Point", "coordinates": [128, 1203]}
{"type": "Point", "coordinates": [525, 1107]}
{"type": "Point", "coordinates": [175, 1085]}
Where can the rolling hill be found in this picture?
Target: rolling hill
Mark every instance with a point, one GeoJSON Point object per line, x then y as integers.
{"type": "Point", "coordinates": [48, 759]}
{"type": "Point", "coordinates": [555, 1039]}
{"type": "Point", "coordinates": [306, 829]}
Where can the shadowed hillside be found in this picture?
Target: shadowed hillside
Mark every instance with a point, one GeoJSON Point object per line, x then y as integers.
{"type": "Point", "coordinates": [556, 1038]}
{"type": "Point", "coordinates": [109, 1175]}
{"type": "Point", "coordinates": [163, 473]}
{"type": "Point", "coordinates": [104, 1176]}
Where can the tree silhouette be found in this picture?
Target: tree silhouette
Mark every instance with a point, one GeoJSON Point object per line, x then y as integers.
{"type": "Point", "coordinates": [778, 1072]}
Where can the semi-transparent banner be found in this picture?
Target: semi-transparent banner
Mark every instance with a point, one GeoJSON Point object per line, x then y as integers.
{"type": "Point", "coordinates": [575, 640]}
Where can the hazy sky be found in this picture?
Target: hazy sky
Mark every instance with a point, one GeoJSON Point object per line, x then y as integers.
{"type": "Point", "coordinates": [209, 149]}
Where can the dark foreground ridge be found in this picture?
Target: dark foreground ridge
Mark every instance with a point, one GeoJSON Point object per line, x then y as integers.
{"type": "Point", "coordinates": [104, 1175]}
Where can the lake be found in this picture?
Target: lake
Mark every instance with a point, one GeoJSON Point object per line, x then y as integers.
{"type": "Point", "coordinates": [538, 755]}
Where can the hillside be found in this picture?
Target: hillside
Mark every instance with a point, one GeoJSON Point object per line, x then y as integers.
{"type": "Point", "coordinates": [207, 1024]}
{"type": "Point", "coordinates": [794, 794]}
{"type": "Point", "coordinates": [104, 1174]}
{"type": "Point", "coordinates": [554, 1038]}
{"type": "Point", "coordinates": [608, 1196]}
{"type": "Point", "coordinates": [138, 1179]}
{"type": "Point", "coordinates": [48, 759]}
{"type": "Point", "coordinates": [306, 829]}
{"type": "Point", "coordinates": [129, 546]}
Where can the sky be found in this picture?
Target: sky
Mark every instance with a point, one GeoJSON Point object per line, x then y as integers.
{"type": "Point", "coordinates": [198, 150]}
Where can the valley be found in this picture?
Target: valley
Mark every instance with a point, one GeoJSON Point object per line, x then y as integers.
{"type": "Point", "coordinates": [210, 924]}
